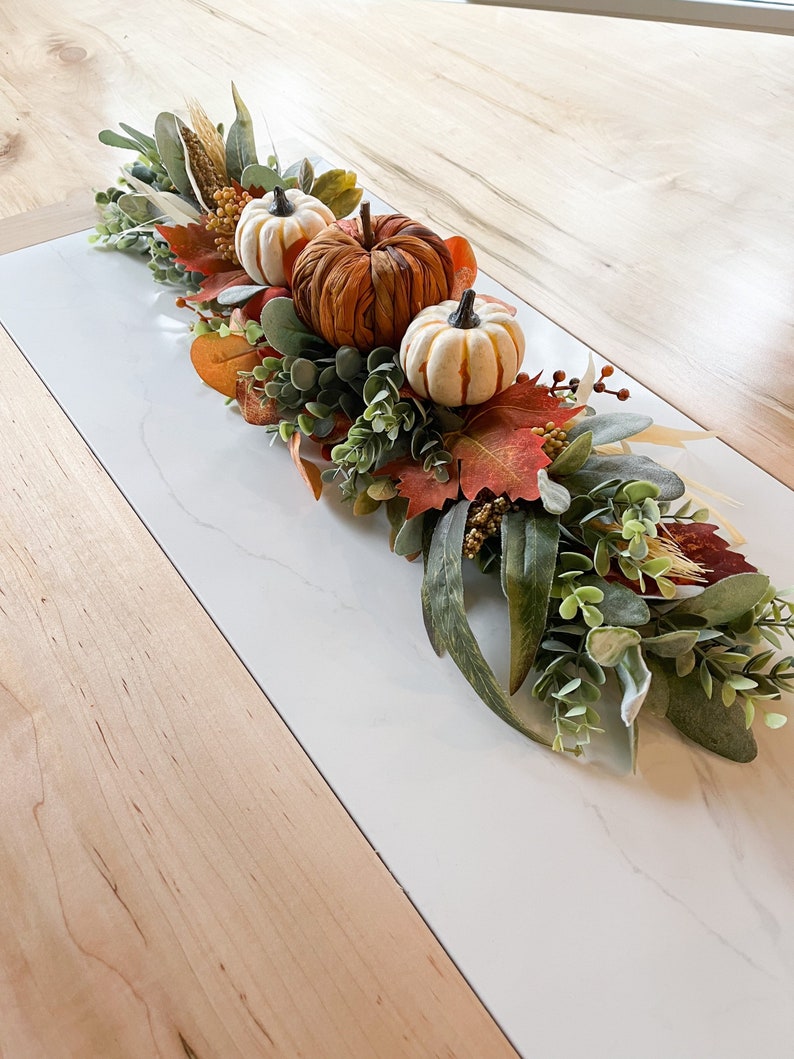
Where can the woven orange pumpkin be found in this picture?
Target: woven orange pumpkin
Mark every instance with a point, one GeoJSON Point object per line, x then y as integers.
{"type": "Point", "coordinates": [361, 282]}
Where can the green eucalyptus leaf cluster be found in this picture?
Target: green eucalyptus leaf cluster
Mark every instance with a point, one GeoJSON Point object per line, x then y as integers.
{"type": "Point", "coordinates": [708, 662]}
{"type": "Point", "coordinates": [386, 416]}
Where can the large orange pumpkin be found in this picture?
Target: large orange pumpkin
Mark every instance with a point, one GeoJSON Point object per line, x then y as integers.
{"type": "Point", "coordinates": [360, 282]}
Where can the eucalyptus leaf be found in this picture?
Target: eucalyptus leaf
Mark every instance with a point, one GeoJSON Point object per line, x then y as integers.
{"type": "Point", "coordinates": [284, 331]}
{"type": "Point", "coordinates": [396, 509]}
{"type": "Point", "coordinates": [707, 721]}
{"type": "Point", "coordinates": [172, 151]}
{"type": "Point", "coordinates": [409, 538]}
{"type": "Point", "coordinates": [444, 584]}
{"type": "Point", "coordinates": [635, 680]}
{"type": "Point", "coordinates": [609, 427]}
{"type": "Point", "coordinates": [529, 554]}
{"type": "Point", "coordinates": [607, 644]}
{"type": "Point", "coordinates": [574, 456]}
{"type": "Point", "coordinates": [657, 700]}
{"type": "Point", "coordinates": [672, 644]}
{"type": "Point", "coordinates": [620, 606]}
{"type": "Point", "coordinates": [600, 469]}
{"type": "Point", "coordinates": [728, 599]}
{"type": "Point", "coordinates": [240, 143]}
{"type": "Point", "coordinates": [303, 172]}
{"type": "Point", "coordinates": [382, 489]}
{"type": "Point", "coordinates": [237, 295]}
{"type": "Point", "coordinates": [553, 495]}
{"type": "Point", "coordinates": [138, 208]}
{"type": "Point", "coordinates": [259, 176]}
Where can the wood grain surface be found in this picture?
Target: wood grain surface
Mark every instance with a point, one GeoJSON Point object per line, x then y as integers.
{"type": "Point", "coordinates": [630, 180]}
{"type": "Point", "coordinates": [176, 878]}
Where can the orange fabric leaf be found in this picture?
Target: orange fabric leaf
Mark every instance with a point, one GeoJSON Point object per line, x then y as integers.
{"type": "Point", "coordinates": [462, 254]}
{"type": "Point", "coordinates": [494, 449]}
{"type": "Point", "coordinates": [464, 264]}
{"type": "Point", "coordinates": [308, 471]}
{"type": "Point", "coordinates": [194, 247]}
{"type": "Point", "coordinates": [218, 360]}
{"type": "Point", "coordinates": [254, 411]}
{"type": "Point", "coordinates": [422, 489]}
{"type": "Point", "coordinates": [212, 286]}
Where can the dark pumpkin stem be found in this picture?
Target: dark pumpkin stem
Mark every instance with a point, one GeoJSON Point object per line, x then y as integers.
{"type": "Point", "coordinates": [366, 226]}
{"type": "Point", "coordinates": [281, 205]}
{"type": "Point", "coordinates": [464, 316]}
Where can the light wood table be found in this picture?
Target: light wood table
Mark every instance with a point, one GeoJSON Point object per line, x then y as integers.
{"type": "Point", "coordinates": [166, 895]}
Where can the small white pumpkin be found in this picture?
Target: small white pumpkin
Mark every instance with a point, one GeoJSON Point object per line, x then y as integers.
{"type": "Point", "coordinates": [273, 230]}
{"type": "Point", "coordinates": [462, 354]}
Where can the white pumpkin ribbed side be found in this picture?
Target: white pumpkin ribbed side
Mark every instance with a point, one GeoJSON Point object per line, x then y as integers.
{"type": "Point", "coordinates": [462, 366]}
{"type": "Point", "coordinates": [262, 239]}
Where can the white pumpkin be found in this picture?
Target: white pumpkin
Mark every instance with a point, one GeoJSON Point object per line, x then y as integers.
{"type": "Point", "coordinates": [273, 230]}
{"type": "Point", "coordinates": [462, 354]}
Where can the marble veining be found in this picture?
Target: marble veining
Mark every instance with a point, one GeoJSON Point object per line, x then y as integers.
{"type": "Point", "coordinates": [594, 912]}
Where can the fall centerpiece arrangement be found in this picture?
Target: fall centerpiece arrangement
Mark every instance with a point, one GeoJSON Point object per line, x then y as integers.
{"type": "Point", "coordinates": [363, 338]}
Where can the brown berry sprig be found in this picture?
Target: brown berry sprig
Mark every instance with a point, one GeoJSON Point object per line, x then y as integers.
{"type": "Point", "coordinates": [599, 386]}
{"type": "Point", "coordinates": [224, 219]}
{"type": "Point", "coordinates": [484, 520]}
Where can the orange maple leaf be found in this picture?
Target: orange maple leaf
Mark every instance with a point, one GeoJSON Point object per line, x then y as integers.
{"type": "Point", "coordinates": [494, 449]}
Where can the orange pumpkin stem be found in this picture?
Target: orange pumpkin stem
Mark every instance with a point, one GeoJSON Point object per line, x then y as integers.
{"type": "Point", "coordinates": [281, 207]}
{"type": "Point", "coordinates": [366, 226]}
{"type": "Point", "coordinates": [464, 316]}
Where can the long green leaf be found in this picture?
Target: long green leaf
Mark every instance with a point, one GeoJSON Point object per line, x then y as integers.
{"type": "Point", "coordinates": [444, 581]}
{"type": "Point", "coordinates": [115, 139]}
{"type": "Point", "coordinates": [146, 141]}
{"type": "Point", "coordinates": [240, 143]}
{"type": "Point", "coordinates": [427, 525]}
{"type": "Point", "coordinates": [172, 151]}
{"type": "Point", "coordinates": [529, 554]}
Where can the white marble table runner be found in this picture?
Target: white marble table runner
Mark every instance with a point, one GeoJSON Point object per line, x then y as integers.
{"type": "Point", "coordinates": [595, 912]}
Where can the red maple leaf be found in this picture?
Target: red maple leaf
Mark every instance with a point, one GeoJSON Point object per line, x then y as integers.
{"type": "Point", "coordinates": [494, 449]}
{"type": "Point", "coordinates": [214, 285]}
{"type": "Point", "coordinates": [421, 487]}
{"type": "Point", "coordinates": [194, 247]}
{"type": "Point", "coordinates": [701, 542]}
{"type": "Point", "coordinates": [525, 404]}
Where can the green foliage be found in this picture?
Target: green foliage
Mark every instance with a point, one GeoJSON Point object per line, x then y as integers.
{"type": "Point", "coordinates": [240, 143]}
{"type": "Point", "coordinates": [443, 588]}
{"type": "Point", "coordinates": [591, 594]}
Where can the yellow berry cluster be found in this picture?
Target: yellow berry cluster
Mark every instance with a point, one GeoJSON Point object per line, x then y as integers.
{"type": "Point", "coordinates": [554, 439]}
{"type": "Point", "coordinates": [223, 220]}
{"type": "Point", "coordinates": [484, 520]}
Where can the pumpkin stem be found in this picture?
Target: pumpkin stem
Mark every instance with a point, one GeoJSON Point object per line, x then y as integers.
{"type": "Point", "coordinates": [281, 205]}
{"type": "Point", "coordinates": [464, 316]}
{"type": "Point", "coordinates": [366, 226]}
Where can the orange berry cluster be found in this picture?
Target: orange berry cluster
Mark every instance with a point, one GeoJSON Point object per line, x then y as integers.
{"type": "Point", "coordinates": [223, 221]}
